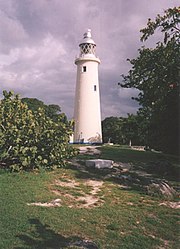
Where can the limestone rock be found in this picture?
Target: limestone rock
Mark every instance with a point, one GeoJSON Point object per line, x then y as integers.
{"type": "Point", "coordinates": [84, 244]}
{"type": "Point", "coordinates": [99, 163]}
{"type": "Point", "coordinates": [161, 189]}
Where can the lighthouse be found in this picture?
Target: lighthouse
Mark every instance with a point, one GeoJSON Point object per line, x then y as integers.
{"type": "Point", "coordinates": [87, 113]}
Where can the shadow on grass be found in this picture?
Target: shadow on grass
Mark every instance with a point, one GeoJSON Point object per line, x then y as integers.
{"type": "Point", "coordinates": [43, 237]}
{"type": "Point", "coordinates": [129, 180]}
{"type": "Point", "coordinates": [137, 178]}
{"type": "Point", "coordinates": [154, 165]}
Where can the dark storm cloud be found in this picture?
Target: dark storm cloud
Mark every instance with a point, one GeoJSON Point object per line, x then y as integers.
{"type": "Point", "coordinates": [39, 42]}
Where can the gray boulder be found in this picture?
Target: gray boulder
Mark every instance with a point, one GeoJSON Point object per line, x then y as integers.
{"type": "Point", "coordinates": [161, 189]}
{"type": "Point", "coordinates": [99, 163]}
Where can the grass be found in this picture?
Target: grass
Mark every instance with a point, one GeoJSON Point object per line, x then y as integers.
{"type": "Point", "coordinates": [167, 166]}
{"type": "Point", "coordinates": [126, 155]}
{"type": "Point", "coordinates": [126, 218]}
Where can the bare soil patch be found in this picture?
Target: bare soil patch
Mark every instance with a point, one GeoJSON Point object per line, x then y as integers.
{"type": "Point", "coordinates": [53, 203]}
{"type": "Point", "coordinates": [85, 200]}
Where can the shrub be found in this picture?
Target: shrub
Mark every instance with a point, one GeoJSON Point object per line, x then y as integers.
{"type": "Point", "coordinates": [30, 140]}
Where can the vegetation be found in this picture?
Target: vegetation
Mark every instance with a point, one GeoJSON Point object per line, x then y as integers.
{"type": "Point", "coordinates": [35, 136]}
{"type": "Point", "coordinates": [31, 139]}
{"type": "Point", "coordinates": [52, 111]}
{"type": "Point", "coordinates": [155, 72]}
{"type": "Point", "coordinates": [112, 130]}
{"type": "Point", "coordinates": [120, 130]}
{"type": "Point", "coordinates": [126, 218]}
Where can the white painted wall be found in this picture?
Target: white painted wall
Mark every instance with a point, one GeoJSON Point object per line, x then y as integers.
{"type": "Point", "coordinates": [87, 114]}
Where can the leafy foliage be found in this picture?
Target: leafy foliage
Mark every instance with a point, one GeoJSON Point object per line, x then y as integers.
{"type": "Point", "coordinates": [33, 103]}
{"type": "Point", "coordinates": [112, 130]}
{"type": "Point", "coordinates": [131, 130]}
{"type": "Point", "coordinates": [52, 111]}
{"type": "Point", "coordinates": [168, 24]}
{"type": "Point", "coordinates": [30, 139]}
{"type": "Point", "coordinates": [155, 72]}
{"type": "Point", "coordinates": [121, 130]}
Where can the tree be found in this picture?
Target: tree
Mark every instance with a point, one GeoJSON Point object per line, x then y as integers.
{"type": "Point", "coordinates": [121, 130]}
{"type": "Point", "coordinates": [33, 103]}
{"type": "Point", "coordinates": [155, 72]}
{"type": "Point", "coordinates": [52, 111]}
{"type": "Point", "coordinates": [30, 139]}
{"type": "Point", "coordinates": [130, 130]}
{"type": "Point", "coordinates": [111, 130]}
{"type": "Point", "coordinates": [168, 24]}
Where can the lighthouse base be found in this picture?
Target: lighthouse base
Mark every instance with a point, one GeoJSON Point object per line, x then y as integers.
{"type": "Point", "coordinates": [87, 139]}
{"type": "Point", "coordinates": [87, 143]}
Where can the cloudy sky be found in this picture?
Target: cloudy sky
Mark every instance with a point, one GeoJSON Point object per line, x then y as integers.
{"type": "Point", "coordinates": [39, 42]}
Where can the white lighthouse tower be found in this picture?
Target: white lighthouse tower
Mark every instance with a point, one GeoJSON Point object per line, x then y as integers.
{"type": "Point", "coordinates": [87, 114]}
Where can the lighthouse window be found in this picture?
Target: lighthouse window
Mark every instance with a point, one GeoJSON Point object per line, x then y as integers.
{"type": "Point", "coordinates": [84, 69]}
{"type": "Point", "coordinates": [95, 88]}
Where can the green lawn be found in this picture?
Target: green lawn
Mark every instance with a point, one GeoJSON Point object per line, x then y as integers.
{"type": "Point", "coordinates": [122, 218]}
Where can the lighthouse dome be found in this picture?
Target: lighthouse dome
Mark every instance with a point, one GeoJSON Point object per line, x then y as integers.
{"type": "Point", "coordinates": [87, 38]}
{"type": "Point", "coordinates": [87, 45]}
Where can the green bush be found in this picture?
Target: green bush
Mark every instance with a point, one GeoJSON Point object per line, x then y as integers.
{"type": "Point", "coordinates": [30, 140]}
